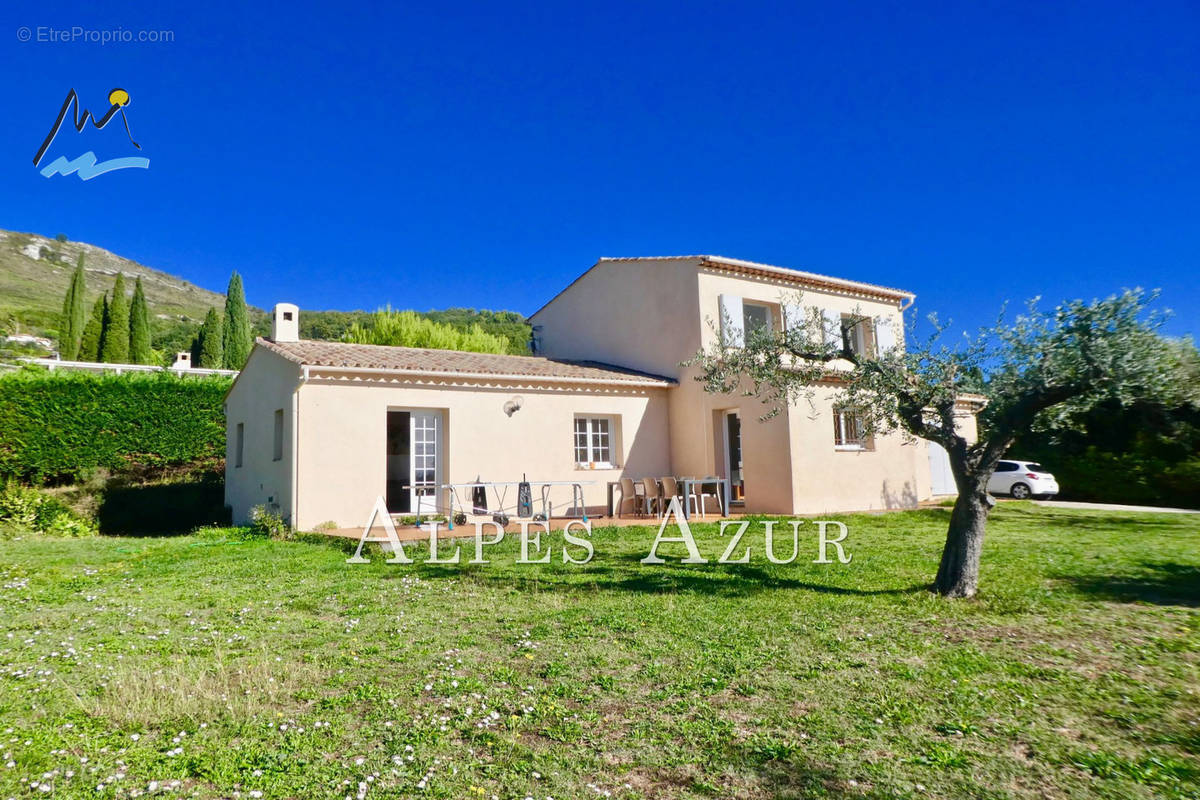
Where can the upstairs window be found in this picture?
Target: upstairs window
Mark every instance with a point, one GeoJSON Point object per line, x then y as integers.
{"type": "Point", "coordinates": [755, 318]}
{"type": "Point", "coordinates": [741, 318]}
{"type": "Point", "coordinates": [850, 431]}
{"type": "Point", "coordinates": [593, 441]}
{"type": "Point", "coordinates": [858, 335]}
{"type": "Point", "coordinates": [239, 444]}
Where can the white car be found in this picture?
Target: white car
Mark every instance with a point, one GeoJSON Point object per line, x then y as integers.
{"type": "Point", "coordinates": [1022, 480]}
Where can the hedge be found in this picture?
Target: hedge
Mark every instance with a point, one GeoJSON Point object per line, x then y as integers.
{"type": "Point", "coordinates": [60, 426]}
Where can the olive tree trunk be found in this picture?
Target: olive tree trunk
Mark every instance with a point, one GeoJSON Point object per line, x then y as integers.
{"type": "Point", "coordinates": [958, 573]}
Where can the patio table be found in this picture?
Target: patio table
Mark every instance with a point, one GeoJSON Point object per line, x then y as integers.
{"type": "Point", "coordinates": [500, 488]}
{"type": "Point", "coordinates": [722, 485]}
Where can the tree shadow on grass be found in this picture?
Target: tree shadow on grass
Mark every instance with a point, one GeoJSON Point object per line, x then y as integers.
{"type": "Point", "coordinates": [759, 766]}
{"type": "Point", "coordinates": [1164, 584]}
{"type": "Point", "coordinates": [1070, 518]}
{"type": "Point", "coordinates": [713, 580]}
{"type": "Point", "coordinates": [782, 770]}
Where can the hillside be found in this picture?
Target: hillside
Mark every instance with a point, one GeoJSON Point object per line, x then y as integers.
{"type": "Point", "coordinates": [35, 270]}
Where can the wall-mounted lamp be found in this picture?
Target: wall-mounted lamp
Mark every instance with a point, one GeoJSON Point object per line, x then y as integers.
{"type": "Point", "coordinates": [514, 405]}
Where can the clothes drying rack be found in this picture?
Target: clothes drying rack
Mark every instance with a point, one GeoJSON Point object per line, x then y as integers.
{"type": "Point", "coordinates": [501, 488]}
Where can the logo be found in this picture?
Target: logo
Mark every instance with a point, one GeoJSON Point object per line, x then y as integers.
{"type": "Point", "coordinates": [577, 534]}
{"type": "Point", "coordinates": [86, 165]}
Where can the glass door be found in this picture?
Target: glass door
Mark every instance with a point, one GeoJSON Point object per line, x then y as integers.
{"type": "Point", "coordinates": [425, 435]}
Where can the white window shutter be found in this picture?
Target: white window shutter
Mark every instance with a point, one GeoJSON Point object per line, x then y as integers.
{"type": "Point", "coordinates": [885, 335]}
{"type": "Point", "coordinates": [793, 317]}
{"type": "Point", "coordinates": [733, 324]}
{"type": "Point", "coordinates": [833, 327]}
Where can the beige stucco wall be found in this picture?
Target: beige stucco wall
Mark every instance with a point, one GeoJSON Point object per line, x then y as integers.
{"type": "Point", "coordinates": [265, 384]}
{"type": "Point", "coordinates": [652, 315]}
{"type": "Point", "coordinates": [967, 425]}
{"type": "Point", "coordinates": [636, 314]}
{"type": "Point", "coordinates": [713, 283]}
{"type": "Point", "coordinates": [893, 474]}
{"type": "Point", "coordinates": [343, 434]}
{"type": "Point", "coordinates": [645, 315]}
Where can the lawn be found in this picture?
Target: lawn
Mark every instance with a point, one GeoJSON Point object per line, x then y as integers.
{"type": "Point", "coordinates": [214, 665]}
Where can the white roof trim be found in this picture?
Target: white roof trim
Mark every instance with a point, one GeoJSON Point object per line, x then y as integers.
{"type": "Point", "coordinates": [799, 276]}
{"type": "Point", "coordinates": [783, 272]}
{"type": "Point", "coordinates": [492, 376]}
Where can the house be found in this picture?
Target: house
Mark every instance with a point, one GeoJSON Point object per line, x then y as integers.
{"type": "Point", "coordinates": [318, 430]}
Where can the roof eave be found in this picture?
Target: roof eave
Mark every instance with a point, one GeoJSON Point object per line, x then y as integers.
{"type": "Point", "coordinates": [809, 278]}
{"type": "Point", "coordinates": [495, 376]}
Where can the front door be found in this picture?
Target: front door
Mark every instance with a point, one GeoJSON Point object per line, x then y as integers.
{"type": "Point", "coordinates": [733, 456]}
{"type": "Point", "coordinates": [425, 436]}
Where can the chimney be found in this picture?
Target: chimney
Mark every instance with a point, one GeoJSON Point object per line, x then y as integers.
{"type": "Point", "coordinates": [182, 361]}
{"type": "Point", "coordinates": [285, 323]}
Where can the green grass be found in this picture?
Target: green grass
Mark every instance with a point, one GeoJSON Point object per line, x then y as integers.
{"type": "Point", "coordinates": [217, 666]}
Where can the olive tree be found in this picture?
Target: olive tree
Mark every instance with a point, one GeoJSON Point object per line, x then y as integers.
{"type": "Point", "coordinates": [1045, 367]}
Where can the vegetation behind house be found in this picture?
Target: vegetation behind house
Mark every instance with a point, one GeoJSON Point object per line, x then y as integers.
{"type": "Point", "coordinates": [59, 427]}
{"type": "Point", "coordinates": [35, 272]}
{"type": "Point", "coordinates": [1145, 453]}
{"type": "Point", "coordinates": [409, 329]}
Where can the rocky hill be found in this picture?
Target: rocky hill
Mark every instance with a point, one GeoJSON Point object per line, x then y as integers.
{"type": "Point", "coordinates": [35, 270]}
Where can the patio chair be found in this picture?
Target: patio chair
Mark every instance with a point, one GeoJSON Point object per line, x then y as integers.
{"type": "Point", "coordinates": [671, 489]}
{"type": "Point", "coordinates": [653, 496]}
{"type": "Point", "coordinates": [629, 494]}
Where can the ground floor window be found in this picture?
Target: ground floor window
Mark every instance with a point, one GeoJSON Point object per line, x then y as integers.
{"type": "Point", "coordinates": [850, 430]}
{"type": "Point", "coordinates": [593, 441]}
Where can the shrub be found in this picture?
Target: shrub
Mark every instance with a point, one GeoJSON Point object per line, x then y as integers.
{"type": "Point", "coordinates": [410, 329]}
{"type": "Point", "coordinates": [270, 524]}
{"type": "Point", "coordinates": [23, 508]}
{"type": "Point", "coordinates": [1182, 482]}
{"type": "Point", "coordinates": [57, 426]}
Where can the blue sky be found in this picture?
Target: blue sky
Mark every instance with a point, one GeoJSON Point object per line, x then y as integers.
{"type": "Point", "coordinates": [348, 156]}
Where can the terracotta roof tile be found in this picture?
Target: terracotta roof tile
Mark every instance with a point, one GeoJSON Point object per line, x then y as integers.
{"type": "Point", "coordinates": [454, 362]}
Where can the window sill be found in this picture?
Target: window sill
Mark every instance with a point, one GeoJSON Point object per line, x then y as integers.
{"type": "Point", "coordinates": [852, 448]}
{"type": "Point", "coordinates": [595, 467]}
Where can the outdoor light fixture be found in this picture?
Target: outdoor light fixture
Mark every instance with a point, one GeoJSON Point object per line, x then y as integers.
{"type": "Point", "coordinates": [514, 405]}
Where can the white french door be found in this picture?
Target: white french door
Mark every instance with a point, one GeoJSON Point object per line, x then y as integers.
{"type": "Point", "coordinates": [426, 441]}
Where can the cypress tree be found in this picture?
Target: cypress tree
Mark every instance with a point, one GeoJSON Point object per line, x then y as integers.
{"type": "Point", "coordinates": [212, 341]}
{"type": "Point", "coordinates": [93, 331]}
{"type": "Point", "coordinates": [237, 341]}
{"type": "Point", "coordinates": [115, 348]}
{"type": "Point", "coordinates": [139, 327]}
{"type": "Point", "coordinates": [74, 316]}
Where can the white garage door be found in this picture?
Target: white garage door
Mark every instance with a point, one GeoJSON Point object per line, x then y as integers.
{"type": "Point", "coordinates": [940, 475]}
